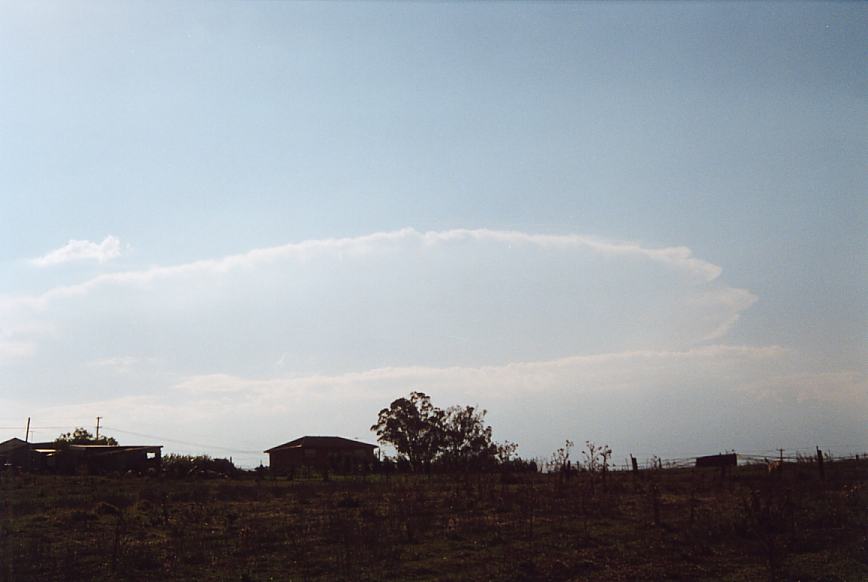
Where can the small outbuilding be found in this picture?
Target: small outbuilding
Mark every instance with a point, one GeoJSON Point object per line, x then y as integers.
{"type": "Point", "coordinates": [727, 460]}
{"type": "Point", "coordinates": [21, 454]}
{"type": "Point", "coordinates": [104, 458]}
{"type": "Point", "coordinates": [320, 452]}
{"type": "Point", "coordinates": [724, 462]}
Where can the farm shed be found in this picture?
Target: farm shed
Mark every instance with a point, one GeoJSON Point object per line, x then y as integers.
{"type": "Point", "coordinates": [728, 460]}
{"type": "Point", "coordinates": [21, 454]}
{"type": "Point", "coordinates": [321, 452]}
{"type": "Point", "coordinates": [102, 458]}
{"type": "Point", "coordinates": [79, 458]}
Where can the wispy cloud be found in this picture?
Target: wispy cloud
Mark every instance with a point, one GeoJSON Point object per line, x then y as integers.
{"type": "Point", "coordinates": [537, 403]}
{"type": "Point", "coordinates": [81, 250]}
{"type": "Point", "coordinates": [218, 395]}
{"type": "Point", "coordinates": [729, 300]}
{"type": "Point", "coordinates": [573, 374]}
{"type": "Point", "coordinates": [844, 386]}
{"type": "Point", "coordinates": [19, 341]}
{"type": "Point", "coordinates": [120, 364]}
{"type": "Point", "coordinates": [12, 350]}
{"type": "Point", "coordinates": [680, 258]}
{"type": "Point", "coordinates": [677, 257]}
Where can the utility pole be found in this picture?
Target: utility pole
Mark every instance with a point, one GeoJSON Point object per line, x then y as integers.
{"type": "Point", "coordinates": [781, 458]}
{"type": "Point", "coordinates": [97, 426]}
{"type": "Point", "coordinates": [27, 441]}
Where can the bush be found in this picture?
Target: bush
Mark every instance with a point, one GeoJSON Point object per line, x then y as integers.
{"type": "Point", "coordinates": [180, 466]}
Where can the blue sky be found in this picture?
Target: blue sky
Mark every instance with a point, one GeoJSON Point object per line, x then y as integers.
{"type": "Point", "coordinates": [638, 223]}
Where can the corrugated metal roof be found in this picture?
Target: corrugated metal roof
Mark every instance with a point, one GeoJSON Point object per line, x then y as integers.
{"type": "Point", "coordinates": [322, 442]}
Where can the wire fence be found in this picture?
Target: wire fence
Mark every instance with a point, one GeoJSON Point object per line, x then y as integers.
{"type": "Point", "coordinates": [788, 455]}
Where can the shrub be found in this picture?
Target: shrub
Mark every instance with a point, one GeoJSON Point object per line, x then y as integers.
{"type": "Point", "coordinates": [180, 466]}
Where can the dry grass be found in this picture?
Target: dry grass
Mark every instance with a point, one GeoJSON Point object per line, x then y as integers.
{"type": "Point", "coordinates": [667, 524]}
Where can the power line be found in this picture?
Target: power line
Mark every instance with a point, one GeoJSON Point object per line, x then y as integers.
{"type": "Point", "coordinates": [36, 427]}
{"type": "Point", "coordinates": [180, 442]}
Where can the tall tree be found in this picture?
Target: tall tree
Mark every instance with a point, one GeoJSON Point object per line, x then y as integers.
{"type": "Point", "coordinates": [467, 441]}
{"type": "Point", "coordinates": [422, 433]}
{"type": "Point", "coordinates": [414, 427]}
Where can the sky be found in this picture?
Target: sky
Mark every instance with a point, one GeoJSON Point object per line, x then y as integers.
{"type": "Point", "coordinates": [227, 225]}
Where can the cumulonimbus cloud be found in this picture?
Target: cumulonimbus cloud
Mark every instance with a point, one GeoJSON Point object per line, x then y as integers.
{"type": "Point", "coordinates": [504, 318]}
{"type": "Point", "coordinates": [680, 257]}
{"type": "Point", "coordinates": [487, 285]}
{"type": "Point", "coordinates": [81, 250]}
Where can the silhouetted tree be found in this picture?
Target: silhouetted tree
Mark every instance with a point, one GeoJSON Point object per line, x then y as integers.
{"type": "Point", "coordinates": [505, 451]}
{"type": "Point", "coordinates": [414, 427]}
{"type": "Point", "coordinates": [561, 457]}
{"type": "Point", "coordinates": [455, 438]}
{"type": "Point", "coordinates": [467, 441]}
{"type": "Point", "coordinates": [81, 436]}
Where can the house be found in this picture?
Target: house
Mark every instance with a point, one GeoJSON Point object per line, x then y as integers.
{"type": "Point", "coordinates": [320, 452]}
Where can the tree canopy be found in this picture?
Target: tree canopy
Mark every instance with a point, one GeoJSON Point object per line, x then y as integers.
{"type": "Point", "coordinates": [82, 436]}
{"type": "Point", "coordinates": [466, 438]}
{"type": "Point", "coordinates": [413, 426]}
{"type": "Point", "coordinates": [424, 434]}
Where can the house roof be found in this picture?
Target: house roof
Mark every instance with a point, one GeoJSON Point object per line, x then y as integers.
{"type": "Point", "coordinates": [322, 442]}
{"type": "Point", "coordinates": [11, 445]}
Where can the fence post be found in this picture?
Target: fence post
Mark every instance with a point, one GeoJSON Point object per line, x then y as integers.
{"type": "Point", "coordinates": [820, 464]}
{"type": "Point", "coordinates": [635, 464]}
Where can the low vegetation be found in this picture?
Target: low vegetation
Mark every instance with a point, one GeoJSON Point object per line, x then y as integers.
{"type": "Point", "coordinates": [586, 523]}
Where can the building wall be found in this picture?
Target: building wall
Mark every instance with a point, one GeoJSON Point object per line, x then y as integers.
{"type": "Point", "coordinates": [282, 461]}
{"type": "Point", "coordinates": [22, 457]}
{"type": "Point", "coordinates": [84, 461]}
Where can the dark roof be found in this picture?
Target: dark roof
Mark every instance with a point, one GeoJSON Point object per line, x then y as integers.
{"type": "Point", "coordinates": [322, 442]}
{"type": "Point", "coordinates": [16, 443]}
{"type": "Point", "coordinates": [717, 460]}
{"type": "Point", "coordinates": [114, 449]}
{"type": "Point", "coordinates": [11, 444]}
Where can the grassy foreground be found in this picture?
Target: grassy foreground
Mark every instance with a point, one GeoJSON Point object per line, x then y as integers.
{"type": "Point", "coordinates": [667, 524]}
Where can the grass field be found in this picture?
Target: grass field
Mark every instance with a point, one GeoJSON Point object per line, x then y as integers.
{"type": "Point", "coordinates": [672, 524]}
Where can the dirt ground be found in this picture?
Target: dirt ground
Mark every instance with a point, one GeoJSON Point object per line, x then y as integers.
{"type": "Point", "coordinates": [676, 524]}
